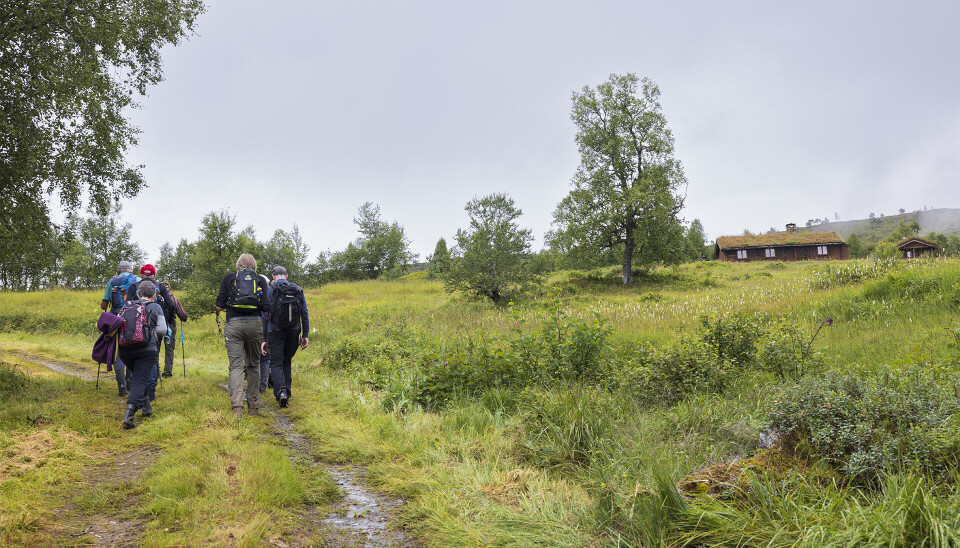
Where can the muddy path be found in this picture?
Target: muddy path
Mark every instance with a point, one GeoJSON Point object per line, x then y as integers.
{"type": "Point", "coordinates": [57, 366]}
{"type": "Point", "coordinates": [104, 512]}
{"type": "Point", "coordinates": [363, 518]}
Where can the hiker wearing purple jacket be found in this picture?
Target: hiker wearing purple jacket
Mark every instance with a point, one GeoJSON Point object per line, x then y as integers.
{"type": "Point", "coordinates": [114, 295]}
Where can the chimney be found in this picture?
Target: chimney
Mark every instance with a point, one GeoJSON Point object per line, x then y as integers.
{"type": "Point", "coordinates": [791, 227]}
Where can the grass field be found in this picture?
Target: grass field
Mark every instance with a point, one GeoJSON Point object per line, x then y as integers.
{"type": "Point", "coordinates": [594, 415]}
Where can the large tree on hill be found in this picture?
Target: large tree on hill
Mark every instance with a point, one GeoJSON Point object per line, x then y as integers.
{"type": "Point", "coordinates": [625, 195]}
{"type": "Point", "coordinates": [69, 69]}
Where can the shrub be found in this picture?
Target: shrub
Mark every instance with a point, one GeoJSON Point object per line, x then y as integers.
{"type": "Point", "coordinates": [787, 352]}
{"type": "Point", "coordinates": [732, 338]}
{"type": "Point", "coordinates": [866, 424]}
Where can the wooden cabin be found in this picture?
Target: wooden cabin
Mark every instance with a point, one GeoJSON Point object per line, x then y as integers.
{"type": "Point", "coordinates": [913, 247]}
{"type": "Point", "coordinates": [781, 246]}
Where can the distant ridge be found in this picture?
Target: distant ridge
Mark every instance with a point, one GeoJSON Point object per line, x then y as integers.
{"type": "Point", "coordinates": [943, 221]}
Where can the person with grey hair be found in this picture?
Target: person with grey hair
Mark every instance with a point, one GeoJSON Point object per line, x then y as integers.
{"type": "Point", "coordinates": [141, 356]}
{"type": "Point", "coordinates": [118, 292]}
{"type": "Point", "coordinates": [242, 294]}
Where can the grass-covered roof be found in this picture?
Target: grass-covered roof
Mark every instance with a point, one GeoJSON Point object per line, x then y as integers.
{"type": "Point", "coordinates": [774, 239]}
{"type": "Point", "coordinates": [909, 239]}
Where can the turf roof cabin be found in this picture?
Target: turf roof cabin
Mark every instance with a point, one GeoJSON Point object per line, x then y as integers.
{"type": "Point", "coordinates": [915, 247]}
{"type": "Point", "coordinates": [781, 246]}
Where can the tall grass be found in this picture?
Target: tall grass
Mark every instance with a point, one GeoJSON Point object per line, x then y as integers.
{"type": "Point", "coordinates": [579, 460]}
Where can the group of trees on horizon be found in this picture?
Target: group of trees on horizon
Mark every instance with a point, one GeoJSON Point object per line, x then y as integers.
{"type": "Point", "coordinates": [70, 72]}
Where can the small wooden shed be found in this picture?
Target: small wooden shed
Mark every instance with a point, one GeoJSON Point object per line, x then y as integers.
{"type": "Point", "coordinates": [913, 247]}
{"type": "Point", "coordinates": [781, 246]}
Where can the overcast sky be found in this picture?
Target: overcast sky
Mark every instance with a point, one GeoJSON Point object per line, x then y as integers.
{"type": "Point", "coordinates": [290, 112]}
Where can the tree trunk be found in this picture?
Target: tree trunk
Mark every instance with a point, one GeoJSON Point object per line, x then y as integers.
{"type": "Point", "coordinates": [628, 246]}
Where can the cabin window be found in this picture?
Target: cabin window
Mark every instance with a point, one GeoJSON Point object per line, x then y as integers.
{"type": "Point", "coordinates": [821, 250]}
{"type": "Point", "coordinates": [771, 252]}
{"type": "Point", "coordinates": [741, 253]}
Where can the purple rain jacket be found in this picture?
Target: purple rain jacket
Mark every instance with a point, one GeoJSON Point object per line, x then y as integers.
{"type": "Point", "coordinates": [105, 349]}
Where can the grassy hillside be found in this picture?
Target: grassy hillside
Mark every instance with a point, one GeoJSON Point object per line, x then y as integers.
{"type": "Point", "coordinates": [712, 404]}
{"type": "Point", "coordinates": [943, 221]}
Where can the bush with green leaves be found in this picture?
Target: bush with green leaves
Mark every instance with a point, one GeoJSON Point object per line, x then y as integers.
{"type": "Point", "coordinates": [865, 424]}
{"type": "Point", "coordinates": [788, 352]}
{"type": "Point", "coordinates": [732, 338]}
{"type": "Point", "coordinates": [666, 375]}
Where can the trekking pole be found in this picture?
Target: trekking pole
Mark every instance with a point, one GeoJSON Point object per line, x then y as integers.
{"type": "Point", "coordinates": [219, 327]}
{"type": "Point", "coordinates": [182, 354]}
{"type": "Point", "coordinates": [98, 375]}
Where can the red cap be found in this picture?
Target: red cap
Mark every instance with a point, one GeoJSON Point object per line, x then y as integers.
{"type": "Point", "coordinates": [148, 270]}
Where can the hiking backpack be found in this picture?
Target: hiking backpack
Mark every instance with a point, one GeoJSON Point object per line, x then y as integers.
{"type": "Point", "coordinates": [244, 293]}
{"type": "Point", "coordinates": [136, 331]}
{"type": "Point", "coordinates": [285, 308]}
{"type": "Point", "coordinates": [120, 291]}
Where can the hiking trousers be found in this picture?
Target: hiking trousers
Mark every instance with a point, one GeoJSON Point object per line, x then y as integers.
{"type": "Point", "coordinates": [243, 338]}
{"type": "Point", "coordinates": [169, 347]}
{"type": "Point", "coordinates": [140, 363]}
{"type": "Point", "coordinates": [283, 345]}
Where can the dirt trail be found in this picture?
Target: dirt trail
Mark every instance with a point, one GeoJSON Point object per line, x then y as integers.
{"type": "Point", "coordinates": [109, 524]}
{"type": "Point", "coordinates": [363, 518]}
{"type": "Point", "coordinates": [57, 366]}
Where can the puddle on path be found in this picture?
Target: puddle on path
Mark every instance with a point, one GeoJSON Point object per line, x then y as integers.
{"type": "Point", "coordinates": [364, 518]}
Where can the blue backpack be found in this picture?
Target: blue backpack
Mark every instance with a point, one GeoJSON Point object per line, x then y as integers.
{"type": "Point", "coordinates": [119, 291]}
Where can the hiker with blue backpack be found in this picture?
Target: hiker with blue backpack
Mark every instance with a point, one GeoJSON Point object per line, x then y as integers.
{"type": "Point", "coordinates": [139, 344]}
{"type": "Point", "coordinates": [115, 296]}
{"type": "Point", "coordinates": [242, 295]}
{"type": "Point", "coordinates": [286, 328]}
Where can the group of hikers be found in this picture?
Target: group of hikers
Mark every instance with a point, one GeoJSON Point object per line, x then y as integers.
{"type": "Point", "coordinates": [264, 317]}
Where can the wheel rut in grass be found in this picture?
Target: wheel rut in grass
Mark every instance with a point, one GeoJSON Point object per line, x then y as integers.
{"type": "Point", "coordinates": [103, 513]}
{"type": "Point", "coordinates": [364, 517]}
{"type": "Point", "coordinates": [57, 366]}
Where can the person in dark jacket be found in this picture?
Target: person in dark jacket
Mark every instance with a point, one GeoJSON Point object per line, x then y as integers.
{"type": "Point", "coordinates": [282, 335]}
{"type": "Point", "coordinates": [121, 283]}
{"type": "Point", "coordinates": [148, 272]}
{"type": "Point", "coordinates": [243, 297]}
{"type": "Point", "coordinates": [142, 359]}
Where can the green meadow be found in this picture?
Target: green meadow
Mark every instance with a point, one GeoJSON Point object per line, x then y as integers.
{"type": "Point", "coordinates": [711, 404]}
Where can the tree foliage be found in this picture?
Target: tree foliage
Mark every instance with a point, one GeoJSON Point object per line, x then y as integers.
{"type": "Point", "coordinates": [438, 264]}
{"type": "Point", "coordinates": [625, 193]}
{"type": "Point", "coordinates": [382, 250]}
{"type": "Point", "coordinates": [69, 69]}
{"type": "Point", "coordinates": [493, 258]}
{"type": "Point", "coordinates": [95, 246]}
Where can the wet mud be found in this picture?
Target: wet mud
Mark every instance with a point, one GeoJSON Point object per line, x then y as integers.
{"type": "Point", "coordinates": [364, 517]}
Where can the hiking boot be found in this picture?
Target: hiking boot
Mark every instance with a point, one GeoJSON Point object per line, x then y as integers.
{"type": "Point", "coordinates": [284, 398]}
{"type": "Point", "coordinates": [166, 375]}
{"type": "Point", "coordinates": [146, 410]}
{"type": "Point", "coordinates": [123, 392]}
{"type": "Point", "coordinates": [254, 412]}
{"type": "Point", "coordinates": [128, 416]}
{"type": "Point", "coordinates": [238, 412]}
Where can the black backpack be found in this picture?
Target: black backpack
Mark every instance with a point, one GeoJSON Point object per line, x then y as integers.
{"type": "Point", "coordinates": [244, 294]}
{"type": "Point", "coordinates": [285, 308]}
